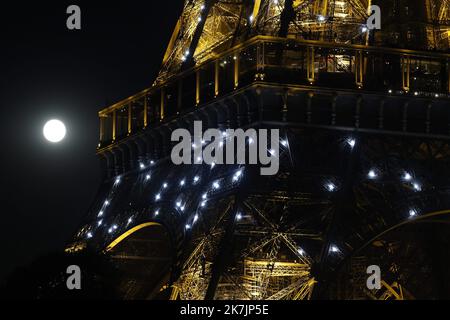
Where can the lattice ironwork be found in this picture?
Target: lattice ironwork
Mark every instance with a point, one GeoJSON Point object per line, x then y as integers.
{"type": "Point", "coordinates": [364, 154]}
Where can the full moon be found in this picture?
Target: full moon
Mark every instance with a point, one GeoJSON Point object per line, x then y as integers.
{"type": "Point", "coordinates": [54, 130]}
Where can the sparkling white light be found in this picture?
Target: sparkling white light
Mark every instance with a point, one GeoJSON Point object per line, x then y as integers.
{"type": "Point", "coordinates": [351, 142]}
{"type": "Point", "coordinates": [412, 213]}
{"type": "Point", "coordinates": [417, 186]}
{"type": "Point", "coordinates": [407, 176]}
{"type": "Point", "coordinates": [372, 174]}
{"type": "Point", "coordinates": [334, 249]}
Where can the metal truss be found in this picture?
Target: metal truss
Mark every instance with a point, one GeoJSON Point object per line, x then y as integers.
{"type": "Point", "coordinates": [208, 27]}
{"type": "Point", "coordinates": [257, 270]}
{"type": "Point", "coordinates": [261, 238]}
{"type": "Point", "coordinates": [181, 39]}
{"type": "Point", "coordinates": [196, 271]}
{"type": "Point", "coordinates": [224, 21]}
{"type": "Point", "coordinates": [360, 171]}
{"type": "Point", "coordinates": [438, 33]}
{"type": "Point", "coordinates": [203, 28]}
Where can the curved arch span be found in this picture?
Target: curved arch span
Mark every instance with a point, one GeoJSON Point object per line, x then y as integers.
{"type": "Point", "coordinates": [128, 233]}
{"type": "Point", "coordinates": [143, 255]}
{"type": "Point", "coordinates": [408, 221]}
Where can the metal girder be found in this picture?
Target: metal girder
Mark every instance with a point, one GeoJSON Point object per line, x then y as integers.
{"type": "Point", "coordinates": [302, 285]}
{"type": "Point", "coordinates": [290, 222]}
{"type": "Point", "coordinates": [207, 27]}
{"type": "Point", "coordinates": [181, 39]}
{"type": "Point", "coordinates": [202, 27]}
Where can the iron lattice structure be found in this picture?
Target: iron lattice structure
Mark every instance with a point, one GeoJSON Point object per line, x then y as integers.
{"type": "Point", "coordinates": [207, 28]}
{"type": "Point", "coordinates": [364, 156]}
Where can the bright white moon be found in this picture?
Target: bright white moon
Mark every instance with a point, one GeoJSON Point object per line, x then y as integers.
{"type": "Point", "coordinates": [54, 131]}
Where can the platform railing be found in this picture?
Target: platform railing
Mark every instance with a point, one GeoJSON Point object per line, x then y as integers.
{"type": "Point", "coordinates": [286, 61]}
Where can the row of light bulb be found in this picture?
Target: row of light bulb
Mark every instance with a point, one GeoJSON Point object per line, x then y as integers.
{"type": "Point", "coordinates": [416, 93]}
{"type": "Point", "coordinates": [158, 196]}
{"type": "Point", "coordinates": [330, 186]}
{"type": "Point", "coordinates": [196, 179]}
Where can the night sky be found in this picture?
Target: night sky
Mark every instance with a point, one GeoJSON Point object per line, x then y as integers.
{"type": "Point", "coordinates": [48, 71]}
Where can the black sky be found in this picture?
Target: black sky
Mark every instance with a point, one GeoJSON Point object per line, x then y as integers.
{"type": "Point", "coordinates": [48, 71]}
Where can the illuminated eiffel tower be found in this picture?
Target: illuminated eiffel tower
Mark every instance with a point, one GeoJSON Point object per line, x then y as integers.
{"type": "Point", "coordinates": [364, 179]}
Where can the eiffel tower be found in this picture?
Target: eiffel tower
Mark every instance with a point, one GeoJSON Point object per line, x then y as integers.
{"type": "Point", "coordinates": [364, 178]}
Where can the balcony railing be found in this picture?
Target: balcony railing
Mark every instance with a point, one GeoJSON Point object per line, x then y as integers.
{"type": "Point", "coordinates": [286, 61]}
